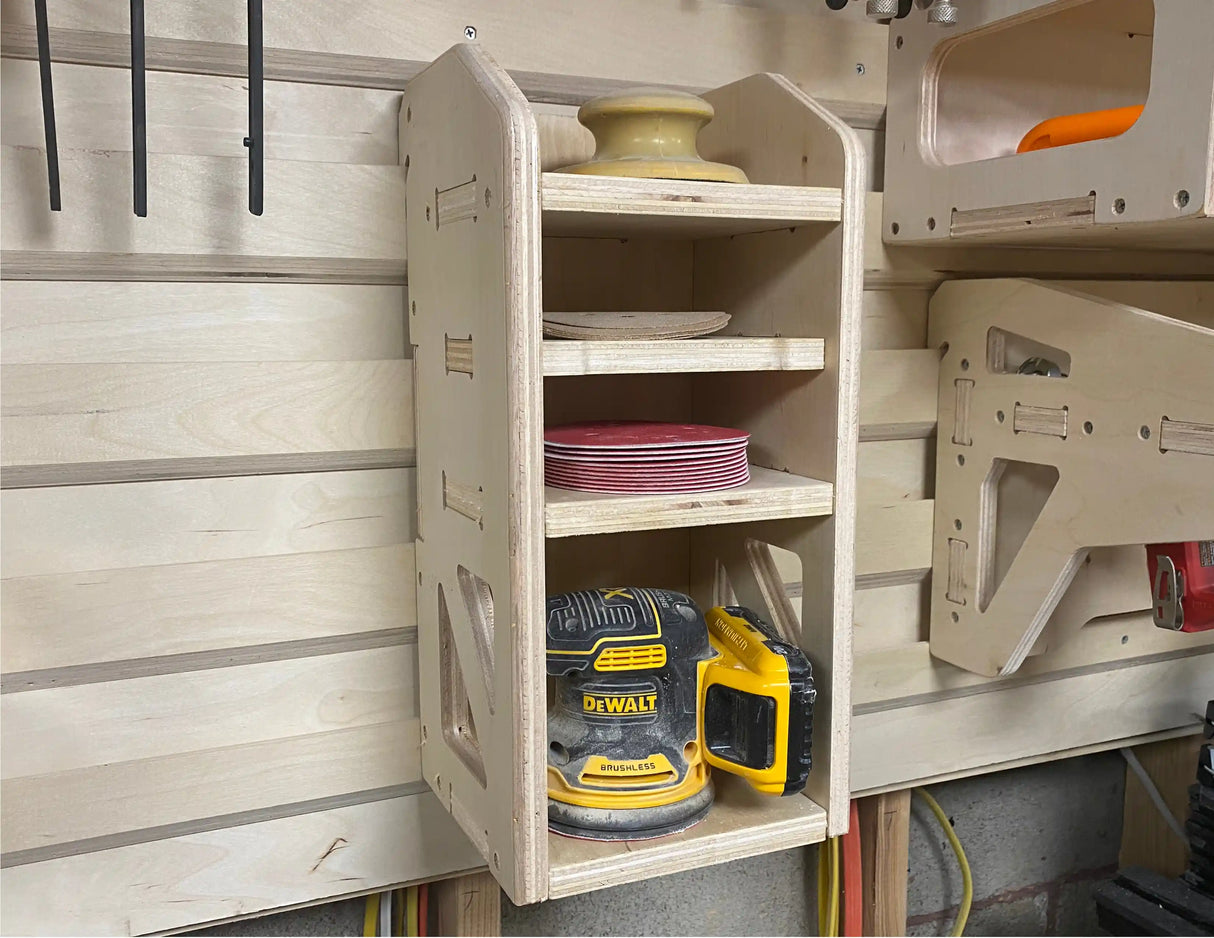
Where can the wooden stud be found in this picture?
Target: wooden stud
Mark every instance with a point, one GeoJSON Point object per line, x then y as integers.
{"type": "Point", "coordinates": [1146, 838]}
{"type": "Point", "coordinates": [468, 905]}
{"type": "Point", "coordinates": [885, 844]}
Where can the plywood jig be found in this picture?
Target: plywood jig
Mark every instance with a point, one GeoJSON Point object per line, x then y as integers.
{"type": "Point", "coordinates": [782, 257]}
{"type": "Point", "coordinates": [1105, 438]}
{"type": "Point", "coordinates": [960, 102]}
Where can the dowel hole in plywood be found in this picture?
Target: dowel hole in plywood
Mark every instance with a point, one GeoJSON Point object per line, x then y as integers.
{"type": "Point", "coordinates": [1000, 416]}
{"type": "Point", "coordinates": [895, 228]}
{"type": "Point", "coordinates": [965, 364]}
{"type": "Point", "coordinates": [898, 43]}
{"type": "Point", "coordinates": [957, 523]}
{"type": "Point", "coordinates": [1087, 427]}
{"type": "Point", "coordinates": [931, 224]}
{"type": "Point", "coordinates": [960, 459]}
{"type": "Point", "coordinates": [408, 114]}
{"type": "Point", "coordinates": [1118, 206]}
{"type": "Point", "coordinates": [1144, 432]}
{"type": "Point", "coordinates": [954, 617]}
{"type": "Point", "coordinates": [1182, 198]}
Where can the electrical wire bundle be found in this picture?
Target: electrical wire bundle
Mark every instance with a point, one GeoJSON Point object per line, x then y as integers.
{"type": "Point", "coordinates": [398, 912]}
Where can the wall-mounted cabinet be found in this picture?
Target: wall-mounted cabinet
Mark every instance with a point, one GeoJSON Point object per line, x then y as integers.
{"type": "Point", "coordinates": [961, 101]}
{"type": "Point", "coordinates": [782, 257]}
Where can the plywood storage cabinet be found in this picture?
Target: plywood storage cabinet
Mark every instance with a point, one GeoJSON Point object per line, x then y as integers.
{"type": "Point", "coordinates": [781, 256]}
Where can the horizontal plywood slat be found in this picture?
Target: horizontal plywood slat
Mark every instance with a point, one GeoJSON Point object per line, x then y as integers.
{"type": "Point", "coordinates": [114, 804]}
{"type": "Point", "coordinates": [106, 527]}
{"type": "Point", "coordinates": [718, 42]}
{"type": "Point", "coordinates": [238, 870]}
{"type": "Point", "coordinates": [202, 115]}
{"type": "Point", "coordinates": [978, 732]}
{"type": "Point", "coordinates": [321, 221]}
{"type": "Point", "coordinates": [93, 321]}
{"type": "Point", "coordinates": [71, 620]}
{"type": "Point", "coordinates": [55, 414]}
{"type": "Point", "coordinates": [898, 392]}
{"type": "Point", "coordinates": [893, 542]}
{"type": "Point", "coordinates": [65, 728]}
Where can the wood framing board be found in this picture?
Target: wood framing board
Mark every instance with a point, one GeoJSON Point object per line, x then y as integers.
{"type": "Point", "coordinates": [97, 322]}
{"type": "Point", "coordinates": [885, 843]}
{"type": "Point", "coordinates": [365, 43]}
{"type": "Point", "coordinates": [197, 222]}
{"type": "Point", "coordinates": [741, 823]}
{"type": "Point", "coordinates": [618, 206]}
{"type": "Point", "coordinates": [1147, 839]}
{"type": "Point", "coordinates": [201, 115]}
{"type": "Point", "coordinates": [469, 144]}
{"type": "Point", "coordinates": [253, 866]}
{"type": "Point", "coordinates": [962, 102]}
{"type": "Point", "coordinates": [898, 394]}
{"type": "Point", "coordinates": [638, 356]}
{"type": "Point", "coordinates": [468, 905]}
{"type": "Point", "coordinates": [768, 494]}
{"type": "Point", "coordinates": [900, 742]}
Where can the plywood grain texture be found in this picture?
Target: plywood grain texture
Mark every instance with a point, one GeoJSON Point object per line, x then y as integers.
{"type": "Point", "coordinates": [201, 115]}
{"type": "Point", "coordinates": [95, 322]}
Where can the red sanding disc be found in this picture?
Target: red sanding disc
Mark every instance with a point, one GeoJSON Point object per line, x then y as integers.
{"type": "Point", "coordinates": [637, 434]}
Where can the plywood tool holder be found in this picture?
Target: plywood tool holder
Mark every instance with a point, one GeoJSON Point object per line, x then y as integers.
{"type": "Point", "coordinates": [782, 256]}
{"type": "Point", "coordinates": [1114, 447]}
{"type": "Point", "coordinates": [960, 101]}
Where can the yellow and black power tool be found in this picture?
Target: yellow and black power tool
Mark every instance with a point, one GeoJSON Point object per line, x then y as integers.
{"type": "Point", "coordinates": [646, 693]}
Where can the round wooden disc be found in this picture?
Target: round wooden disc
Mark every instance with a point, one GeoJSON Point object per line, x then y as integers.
{"type": "Point", "coordinates": [634, 325]}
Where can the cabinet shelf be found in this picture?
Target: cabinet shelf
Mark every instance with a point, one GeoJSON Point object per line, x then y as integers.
{"type": "Point", "coordinates": [742, 823]}
{"type": "Point", "coordinates": [616, 206]}
{"type": "Point", "coordinates": [685, 356]}
{"type": "Point", "coordinates": [767, 496]}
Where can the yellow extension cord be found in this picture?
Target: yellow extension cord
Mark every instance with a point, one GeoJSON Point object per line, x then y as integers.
{"type": "Point", "coordinates": [828, 887]}
{"type": "Point", "coordinates": [967, 879]}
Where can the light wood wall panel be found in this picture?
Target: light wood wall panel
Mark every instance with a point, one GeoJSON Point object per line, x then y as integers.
{"type": "Point", "coordinates": [56, 414]}
{"type": "Point", "coordinates": [63, 728]}
{"type": "Point", "coordinates": [73, 620]}
{"type": "Point", "coordinates": [704, 45]}
{"type": "Point", "coordinates": [255, 866]}
{"type": "Point", "coordinates": [85, 322]}
{"type": "Point", "coordinates": [198, 223]}
{"type": "Point", "coordinates": [105, 527]}
{"type": "Point", "coordinates": [201, 115]}
{"type": "Point", "coordinates": [119, 803]}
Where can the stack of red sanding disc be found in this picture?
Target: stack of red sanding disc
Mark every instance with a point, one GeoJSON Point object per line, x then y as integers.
{"type": "Point", "coordinates": [640, 457]}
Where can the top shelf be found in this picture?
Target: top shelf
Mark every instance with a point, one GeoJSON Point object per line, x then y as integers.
{"type": "Point", "coordinates": [617, 206]}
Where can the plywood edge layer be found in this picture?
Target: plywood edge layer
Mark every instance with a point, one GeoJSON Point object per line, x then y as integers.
{"type": "Point", "coordinates": [741, 823]}
{"type": "Point", "coordinates": [639, 356]}
{"type": "Point", "coordinates": [73, 675]}
{"type": "Point", "coordinates": [85, 47]}
{"type": "Point", "coordinates": [768, 495]}
{"type": "Point", "coordinates": [201, 467]}
{"type": "Point", "coordinates": [96, 265]}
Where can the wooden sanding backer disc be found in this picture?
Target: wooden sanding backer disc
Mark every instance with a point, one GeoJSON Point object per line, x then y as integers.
{"type": "Point", "coordinates": [641, 325]}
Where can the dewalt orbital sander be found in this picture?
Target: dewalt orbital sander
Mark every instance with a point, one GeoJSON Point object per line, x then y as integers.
{"type": "Point", "coordinates": [646, 693]}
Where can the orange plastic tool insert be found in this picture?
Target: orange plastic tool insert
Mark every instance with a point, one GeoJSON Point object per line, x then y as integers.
{"type": "Point", "coordinates": [1076, 128]}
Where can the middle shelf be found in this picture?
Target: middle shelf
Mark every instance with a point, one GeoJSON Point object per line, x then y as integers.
{"type": "Point", "coordinates": [647, 356]}
{"type": "Point", "coordinates": [767, 496]}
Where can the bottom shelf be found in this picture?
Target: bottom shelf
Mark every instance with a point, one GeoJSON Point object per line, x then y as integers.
{"type": "Point", "coordinates": [742, 823]}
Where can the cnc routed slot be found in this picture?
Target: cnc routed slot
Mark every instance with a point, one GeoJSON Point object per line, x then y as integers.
{"type": "Point", "coordinates": [459, 727]}
{"type": "Point", "coordinates": [1013, 496]}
